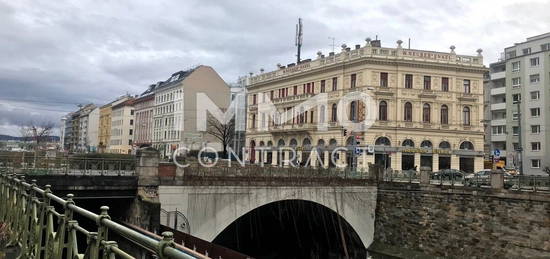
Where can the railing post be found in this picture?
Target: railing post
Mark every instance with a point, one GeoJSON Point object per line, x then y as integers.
{"type": "Point", "coordinates": [167, 241]}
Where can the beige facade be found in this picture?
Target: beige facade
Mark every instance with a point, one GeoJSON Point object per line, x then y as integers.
{"type": "Point", "coordinates": [428, 107]}
{"type": "Point", "coordinates": [122, 128]}
{"type": "Point", "coordinates": [105, 113]}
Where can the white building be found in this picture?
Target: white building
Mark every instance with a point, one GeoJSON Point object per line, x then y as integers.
{"type": "Point", "coordinates": [88, 129]}
{"type": "Point", "coordinates": [175, 109]}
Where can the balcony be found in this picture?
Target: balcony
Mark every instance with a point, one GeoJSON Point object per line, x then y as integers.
{"type": "Point", "coordinates": [498, 106]}
{"type": "Point", "coordinates": [498, 75]}
{"type": "Point", "coordinates": [498, 138]}
{"type": "Point", "coordinates": [498, 122]}
{"type": "Point", "coordinates": [498, 91]}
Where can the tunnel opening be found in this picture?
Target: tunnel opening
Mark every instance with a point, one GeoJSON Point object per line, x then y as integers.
{"type": "Point", "coordinates": [292, 229]}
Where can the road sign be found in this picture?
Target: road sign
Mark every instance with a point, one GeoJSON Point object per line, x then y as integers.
{"type": "Point", "coordinates": [358, 150]}
{"type": "Point", "coordinates": [496, 152]}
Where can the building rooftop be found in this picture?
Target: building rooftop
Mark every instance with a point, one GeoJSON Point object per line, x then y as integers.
{"type": "Point", "coordinates": [373, 50]}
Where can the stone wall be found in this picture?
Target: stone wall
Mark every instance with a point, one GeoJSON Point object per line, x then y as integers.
{"type": "Point", "coordinates": [414, 221]}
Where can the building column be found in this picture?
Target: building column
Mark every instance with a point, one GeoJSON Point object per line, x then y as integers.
{"type": "Point", "coordinates": [342, 160]}
{"type": "Point", "coordinates": [455, 162]}
{"type": "Point", "coordinates": [286, 158]}
{"type": "Point", "coordinates": [256, 156]}
{"type": "Point", "coordinates": [435, 162]}
{"type": "Point", "coordinates": [396, 161]}
{"type": "Point", "coordinates": [313, 158]}
{"type": "Point", "coordinates": [478, 163]}
{"type": "Point", "coordinates": [417, 161]}
{"type": "Point", "coordinates": [327, 159]}
{"type": "Point", "coordinates": [274, 157]}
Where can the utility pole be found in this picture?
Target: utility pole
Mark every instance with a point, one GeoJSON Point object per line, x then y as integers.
{"type": "Point", "coordinates": [520, 150]}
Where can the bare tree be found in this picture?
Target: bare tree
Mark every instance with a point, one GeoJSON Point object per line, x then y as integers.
{"type": "Point", "coordinates": [225, 132]}
{"type": "Point", "coordinates": [38, 133]}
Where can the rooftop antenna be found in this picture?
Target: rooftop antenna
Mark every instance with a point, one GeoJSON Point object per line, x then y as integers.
{"type": "Point", "coordinates": [298, 41]}
{"type": "Point", "coordinates": [409, 43]}
{"type": "Point", "coordinates": [332, 45]}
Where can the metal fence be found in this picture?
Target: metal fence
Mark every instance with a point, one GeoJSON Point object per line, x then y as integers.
{"type": "Point", "coordinates": [68, 165]}
{"type": "Point", "coordinates": [43, 232]}
{"type": "Point", "coordinates": [534, 183]}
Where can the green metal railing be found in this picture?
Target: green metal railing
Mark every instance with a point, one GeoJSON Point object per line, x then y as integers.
{"type": "Point", "coordinates": [42, 232]}
{"type": "Point", "coordinates": [68, 165]}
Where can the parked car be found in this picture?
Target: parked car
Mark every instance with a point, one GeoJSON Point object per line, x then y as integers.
{"type": "Point", "coordinates": [479, 178]}
{"type": "Point", "coordinates": [448, 174]}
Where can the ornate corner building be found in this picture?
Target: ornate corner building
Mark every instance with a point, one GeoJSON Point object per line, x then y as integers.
{"type": "Point", "coordinates": [429, 109]}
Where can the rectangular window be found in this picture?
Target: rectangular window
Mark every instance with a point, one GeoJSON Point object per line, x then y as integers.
{"type": "Point", "coordinates": [499, 130]}
{"type": "Point", "coordinates": [131, 122]}
{"type": "Point", "coordinates": [535, 112]}
{"type": "Point", "coordinates": [534, 62]}
{"type": "Point", "coordinates": [511, 54]}
{"type": "Point", "coordinates": [295, 90]}
{"type": "Point", "coordinates": [535, 146]}
{"type": "Point", "coordinates": [254, 99]}
{"type": "Point", "coordinates": [467, 86]}
{"type": "Point", "coordinates": [334, 83]}
{"type": "Point", "coordinates": [535, 163]}
{"type": "Point", "coordinates": [272, 94]}
{"type": "Point", "coordinates": [535, 129]}
{"type": "Point", "coordinates": [515, 130]}
{"type": "Point", "coordinates": [516, 66]}
{"type": "Point", "coordinates": [516, 82]}
{"type": "Point", "coordinates": [516, 98]}
{"type": "Point", "coordinates": [131, 132]}
{"type": "Point", "coordinates": [516, 146]}
{"type": "Point", "coordinates": [130, 142]}
{"type": "Point", "coordinates": [535, 95]}
{"type": "Point", "coordinates": [408, 81]}
{"type": "Point", "coordinates": [545, 47]}
{"type": "Point", "coordinates": [131, 112]}
{"type": "Point", "coordinates": [515, 116]}
{"type": "Point", "coordinates": [534, 78]}
{"type": "Point", "coordinates": [322, 86]}
{"type": "Point", "coordinates": [427, 82]}
{"type": "Point", "coordinates": [445, 84]}
{"type": "Point", "coordinates": [353, 81]}
{"type": "Point", "coordinates": [383, 79]}
{"type": "Point", "coordinates": [526, 51]}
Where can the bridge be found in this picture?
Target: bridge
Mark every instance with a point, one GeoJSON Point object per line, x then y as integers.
{"type": "Point", "coordinates": [289, 212]}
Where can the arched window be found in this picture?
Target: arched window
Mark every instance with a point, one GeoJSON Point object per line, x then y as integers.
{"type": "Point", "coordinates": [408, 143]}
{"type": "Point", "coordinates": [467, 145]}
{"type": "Point", "coordinates": [332, 143]}
{"type": "Point", "coordinates": [383, 111]}
{"type": "Point", "coordinates": [382, 141]}
{"type": "Point", "coordinates": [444, 114]}
{"type": "Point", "coordinates": [426, 144]}
{"type": "Point", "coordinates": [444, 145]}
{"type": "Point", "coordinates": [426, 113]}
{"type": "Point", "coordinates": [293, 143]}
{"type": "Point", "coordinates": [334, 113]}
{"type": "Point", "coordinates": [322, 114]}
{"type": "Point", "coordinates": [408, 112]}
{"type": "Point", "coordinates": [306, 143]}
{"type": "Point", "coordinates": [466, 116]}
{"type": "Point", "coordinates": [281, 143]}
{"type": "Point", "coordinates": [353, 111]}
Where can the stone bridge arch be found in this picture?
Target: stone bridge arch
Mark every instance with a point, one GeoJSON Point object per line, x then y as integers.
{"type": "Point", "coordinates": [211, 209]}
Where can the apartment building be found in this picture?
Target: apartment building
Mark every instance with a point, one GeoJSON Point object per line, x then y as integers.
{"type": "Point", "coordinates": [519, 105]}
{"type": "Point", "coordinates": [428, 109]}
{"type": "Point", "coordinates": [105, 113]}
{"type": "Point", "coordinates": [144, 117]}
{"type": "Point", "coordinates": [88, 136]}
{"type": "Point", "coordinates": [122, 127]}
{"type": "Point", "coordinates": [175, 109]}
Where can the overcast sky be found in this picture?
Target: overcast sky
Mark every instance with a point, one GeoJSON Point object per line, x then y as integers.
{"type": "Point", "coordinates": [57, 54]}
